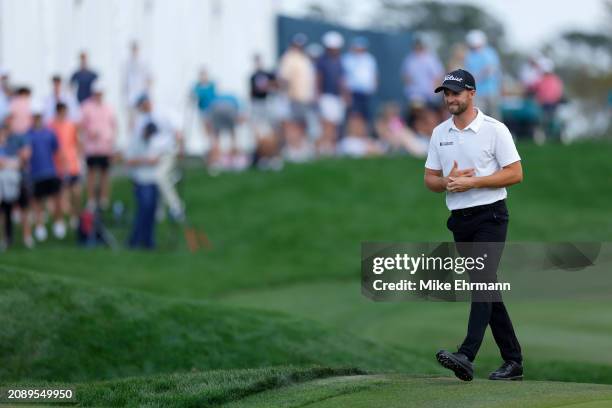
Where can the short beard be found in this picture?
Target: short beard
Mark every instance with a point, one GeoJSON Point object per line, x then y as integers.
{"type": "Point", "coordinates": [461, 107]}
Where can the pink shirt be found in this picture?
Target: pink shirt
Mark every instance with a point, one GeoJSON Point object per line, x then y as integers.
{"type": "Point", "coordinates": [549, 90]}
{"type": "Point", "coordinates": [99, 128]}
{"type": "Point", "coordinates": [21, 114]}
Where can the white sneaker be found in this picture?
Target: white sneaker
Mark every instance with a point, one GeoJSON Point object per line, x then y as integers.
{"type": "Point", "coordinates": [28, 242]}
{"type": "Point", "coordinates": [59, 229]}
{"type": "Point", "coordinates": [40, 232]}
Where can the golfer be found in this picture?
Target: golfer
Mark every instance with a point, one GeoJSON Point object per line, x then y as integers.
{"type": "Point", "coordinates": [472, 157]}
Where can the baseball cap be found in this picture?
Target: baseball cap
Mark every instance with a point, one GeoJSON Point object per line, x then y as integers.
{"type": "Point", "coordinates": [476, 38]}
{"type": "Point", "coordinates": [457, 81]}
{"type": "Point", "coordinates": [299, 39]}
{"type": "Point", "coordinates": [333, 40]}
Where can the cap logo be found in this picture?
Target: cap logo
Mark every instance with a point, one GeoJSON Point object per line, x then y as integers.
{"type": "Point", "coordinates": [453, 78]}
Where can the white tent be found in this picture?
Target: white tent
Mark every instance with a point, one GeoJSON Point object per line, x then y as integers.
{"type": "Point", "coordinates": [39, 38]}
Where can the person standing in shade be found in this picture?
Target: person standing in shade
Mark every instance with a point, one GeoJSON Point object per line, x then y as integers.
{"type": "Point", "coordinates": [83, 79]}
{"type": "Point", "coordinates": [472, 157]}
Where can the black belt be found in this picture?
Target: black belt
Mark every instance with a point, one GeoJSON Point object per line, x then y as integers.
{"type": "Point", "coordinates": [479, 208]}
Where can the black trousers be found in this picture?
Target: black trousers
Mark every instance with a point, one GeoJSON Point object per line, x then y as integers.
{"type": "Point", "coordinates": [486, 224]}
{"type": "Point", "coordinates": [6, 209]}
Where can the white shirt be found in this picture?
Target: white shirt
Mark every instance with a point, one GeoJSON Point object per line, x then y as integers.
{"type": "Point", "coordinates": [485, 145]}
{"type": "Point", "coordinates": [161, 144]}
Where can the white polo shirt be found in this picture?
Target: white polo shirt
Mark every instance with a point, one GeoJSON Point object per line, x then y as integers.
{"type": "Point", "coordinates": [485, 145]}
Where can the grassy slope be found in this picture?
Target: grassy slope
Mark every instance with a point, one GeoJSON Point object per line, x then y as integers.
{"type": "Point", "coordinates": [59, 330]}
{"type": "Point", "coordinates": [306, 223]}
{"type": "Point", "coordinates": [278, 236]}
{"type": "Point", "coordinates": [561, 341]}
{"type": "Point", "coordinates": [211, 388]}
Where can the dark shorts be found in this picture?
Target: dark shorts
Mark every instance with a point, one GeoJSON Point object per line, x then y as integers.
{"type": "Point", "coordinates": [98, 162]}
{"type": "Point", "coordinates": [24, 195]}
{"type": "Point", "coordinates": [71, 180]}
{"type": "Point", "coordinates": [47, 187]}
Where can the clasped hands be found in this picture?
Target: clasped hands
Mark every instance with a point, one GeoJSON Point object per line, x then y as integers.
{"type": "Point", "coordinates": [459, 181]}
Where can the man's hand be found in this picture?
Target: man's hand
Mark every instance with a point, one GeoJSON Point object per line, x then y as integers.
{"type": "Point", "coordinates": [436, 182]}
{"type": "Point", "coordinates": [460, 184]}
{"type": "Point", "coordinates": [455, 172]}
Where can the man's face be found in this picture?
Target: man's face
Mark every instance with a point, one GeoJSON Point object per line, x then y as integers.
{"type": "Point", "coordinates": [458, 102]}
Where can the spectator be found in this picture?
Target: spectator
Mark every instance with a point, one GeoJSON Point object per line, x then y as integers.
{"type": "Point", "coordinates": [143, 157]}
{"type": "Point", "coordinates": [333, 95]}
{"type": "Point", "coordinates": [394, 133]}
{"type": "Point", "coordinates": [5, 94]}
{"type": "Point", "coordinates": [421, 72]}
{"type": "Point", "coordinates": [136, 82]}
{"type": "Point", "coordinates": [20, 111]}
{"type": "Point", "coordinates": [83, 79]}
{"type": "Point", "coordinates": [203, 93]}
{"type": "Point", "coordinates": [58, 95]}
{"type": "Point", "coordinates": [99, 133]}
{"type": "Point", "coordinates": [357, 143]}
{"type": "Point", "coordinates": [170, 141]}
{"type": "Point", "coordinates": [530, 73]}
{"type": "Point", "coordinates": [483, 62]}
{"type": "Point", "coordinates": [457, 58]}
{"type": "Point", "coordinates": [43, 174]}
{"type": "Point", "coordinates": [297, 76]}
{"type": "Point", "coordinates": [549, 95]}
{"type": "Point", "coordinates": [224, 117]}
{"type": "Point", "coordinates": [262, 83]}
{"type": "Point", "coordinates": [17, 145]}
{"type": "Point", "coordinates": [361, 77]}
{"type": "Point", "coordinates": [10, 179]}
{"type": "Point", "coordinates": [68, 162]}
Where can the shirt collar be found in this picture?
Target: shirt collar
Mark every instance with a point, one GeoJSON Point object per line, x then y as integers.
{"type": "Point", "coordinates": [474, 125]}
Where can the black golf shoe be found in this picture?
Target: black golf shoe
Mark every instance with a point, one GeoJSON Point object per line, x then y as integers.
{"type": "Point", "coordinates": [458, 363]}
{"type": "Point", "coordinates": [509, 371]}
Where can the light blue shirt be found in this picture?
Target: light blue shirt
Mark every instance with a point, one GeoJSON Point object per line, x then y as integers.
{"type": "Point", "coordinates": [423, 71]}
{"type": "Point", "coordinates": [360, 72]}
{"type": "Point", "coordinates": [484, 65]}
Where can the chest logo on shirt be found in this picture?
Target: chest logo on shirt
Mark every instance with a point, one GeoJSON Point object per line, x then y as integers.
{"type": "Point", "coordinates": [446, 143]}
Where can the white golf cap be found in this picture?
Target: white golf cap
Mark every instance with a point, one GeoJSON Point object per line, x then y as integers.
{"type": "Point", "coordinates": [333, 40]}
{"type": "Point", "coordinates": [476, 38]}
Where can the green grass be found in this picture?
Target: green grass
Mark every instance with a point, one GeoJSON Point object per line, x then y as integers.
{"type": "Point", "coordinates": [406, 391]}
{"type": "Point", "coordinates": [193, 389]}
{"type": "Point", "coordinates": [54, 329]}
{"type": "Point", "coordinates": [281, 287]}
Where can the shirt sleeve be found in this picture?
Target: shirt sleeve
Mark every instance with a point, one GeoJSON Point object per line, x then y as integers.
{"type": "Point", "coordinates": [505, 150]}
{"type": "Point", "coordinates": [433, 159]}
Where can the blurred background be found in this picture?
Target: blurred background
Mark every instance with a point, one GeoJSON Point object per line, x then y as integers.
{"type": "Point", "coordinates": [185, 185]}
